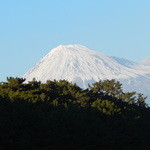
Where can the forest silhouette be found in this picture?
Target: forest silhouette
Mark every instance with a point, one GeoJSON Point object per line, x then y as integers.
{"type": "Point", "coordinates": [61, 115]}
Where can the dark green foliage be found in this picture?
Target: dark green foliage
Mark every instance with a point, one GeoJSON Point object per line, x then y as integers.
{"type": "Point", "coordinates": [107, 87]}
{"type": "Point", "coordinates": [61, 115]}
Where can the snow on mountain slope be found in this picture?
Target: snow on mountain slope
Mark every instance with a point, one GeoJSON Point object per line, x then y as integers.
{"type": "Point", "coordinates": [78, 64]}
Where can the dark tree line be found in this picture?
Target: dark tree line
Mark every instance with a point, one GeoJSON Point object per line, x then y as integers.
{"type": "Point", "coordinates": [61, 115]}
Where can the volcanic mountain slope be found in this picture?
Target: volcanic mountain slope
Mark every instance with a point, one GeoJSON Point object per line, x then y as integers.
{"type": "Point", "coordinates": [80, 65]}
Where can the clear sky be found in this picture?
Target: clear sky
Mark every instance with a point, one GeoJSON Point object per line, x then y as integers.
{"type": "Point", "coordinates": [29, 29]}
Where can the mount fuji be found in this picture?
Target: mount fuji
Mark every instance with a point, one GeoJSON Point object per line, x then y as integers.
{"type": "Point", "coordinates": [83, 66]}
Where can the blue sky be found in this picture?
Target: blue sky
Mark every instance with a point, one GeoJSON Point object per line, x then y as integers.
{"type": "Point", "coordinates": [30, 28]}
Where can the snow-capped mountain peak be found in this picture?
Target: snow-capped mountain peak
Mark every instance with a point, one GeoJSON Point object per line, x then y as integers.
{"type": "Point", "coordinates": [81, 65]}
